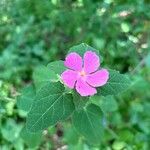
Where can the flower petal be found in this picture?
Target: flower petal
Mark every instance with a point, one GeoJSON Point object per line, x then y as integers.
{"type": "Point", "coordinates": [69, 78]}
{"type": "Point", "coordinates": [98, 78]}
{"type": "Point", "coordinates": [84, 89]}
{"type": "Point", "coordinates": [74, 61]}
{"type": "Point", "coordinates": [91, 62]}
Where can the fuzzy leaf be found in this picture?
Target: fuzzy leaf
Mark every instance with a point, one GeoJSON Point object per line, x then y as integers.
{"type": "Point", "coordinates": [51, 105]}
{"type": "Point", "coordinates": [31, 139]}
{"type": "Point", "coordinates": [89, 123]}
{"type": "Point", "coordinates": [82, 48]}
{"type": "Point", "coordinates": [24, 101]}
{"type": "Point", "coordinates": [117, 83]}
{"type": "Point", "coordinates": [57, 66]}
{"type": "Point", "coordinates": [79, 101]}
{"type": "Point", "coordinates": [107, 104]}
{"type": "Point", "coordinates": [42, 75]}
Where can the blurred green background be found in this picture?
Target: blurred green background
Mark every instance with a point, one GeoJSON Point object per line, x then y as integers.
{"type": "Point", "coordinates": [35, 32]}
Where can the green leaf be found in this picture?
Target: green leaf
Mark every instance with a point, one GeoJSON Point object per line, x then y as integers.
{"type": "Point", "coordinates": [51, 105]}
{"type": "Point", "coordinates": [147, 60]}
{"type": "Point", "coordinates": [71, 136]}
{"type": "Point", "coordinates": [107, 104]}
{"type": "Point", "coordinates": [118, 145]}
{"type": "Point", "coordinates": [42, 75]}
{"type": "Point", "coordinates": [2, 109]}
{"type": "Point", "coordinates": [78, 146]}
{"type": "Point", "coordinates": [126, 135]}
{"type": "Point", "coordinates": [79, 101]}
{"type": "Point", "coordinates": [82, 48]}
{"type": "Point", "coordinates": [117, 83]}
{"type": "Point", "coordinates": [31, 139]}
{"type": "Point", "coordinates": [11, 130]}
{"type": "Point", "coordinates": [18, 144]}
{"type": "Point", "coordinates": [125, 27]}
{"type": "Point", "coordinates": [89, 123]}
{"type": "Point", "coordinates": [24, 101]}
{"type": "Point", "coordinates": [57, 66]}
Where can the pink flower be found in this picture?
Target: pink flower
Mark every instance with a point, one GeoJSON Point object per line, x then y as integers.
{"type": "Point", "coordinates": [83, 75]}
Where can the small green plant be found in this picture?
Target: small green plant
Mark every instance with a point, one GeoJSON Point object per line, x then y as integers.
{"type": "Point", "coordinates": [52, 101]}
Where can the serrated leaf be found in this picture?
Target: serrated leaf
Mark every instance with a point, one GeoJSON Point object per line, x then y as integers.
{"type": "Point", "coordinates": [57, 66]}
{"type": "Point", "coordinates": [24, 101]}
{"type": "Point", "coordinates": [117, 83]}
{"type": "Point", "coordinates": [51, 105]}
{"type": "Point", "coordinates": [89, 123]}
{"type": "Point", "coordinates": [31, 139]}
{"type": "Point", "coordinates": [82, 48]}
{"type": "Point", "coordinates": [42, 75]}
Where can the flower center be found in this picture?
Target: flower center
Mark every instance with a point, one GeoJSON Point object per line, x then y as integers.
{"type": "Point", "coordinates": [82, 73]}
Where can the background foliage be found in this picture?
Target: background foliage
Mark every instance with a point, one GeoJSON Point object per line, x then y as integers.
{"type": "Point", "coordinates": [35, 32]}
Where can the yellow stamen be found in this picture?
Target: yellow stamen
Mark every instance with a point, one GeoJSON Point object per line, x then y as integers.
{"type": "Point", "coordinates": [82, 73]}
